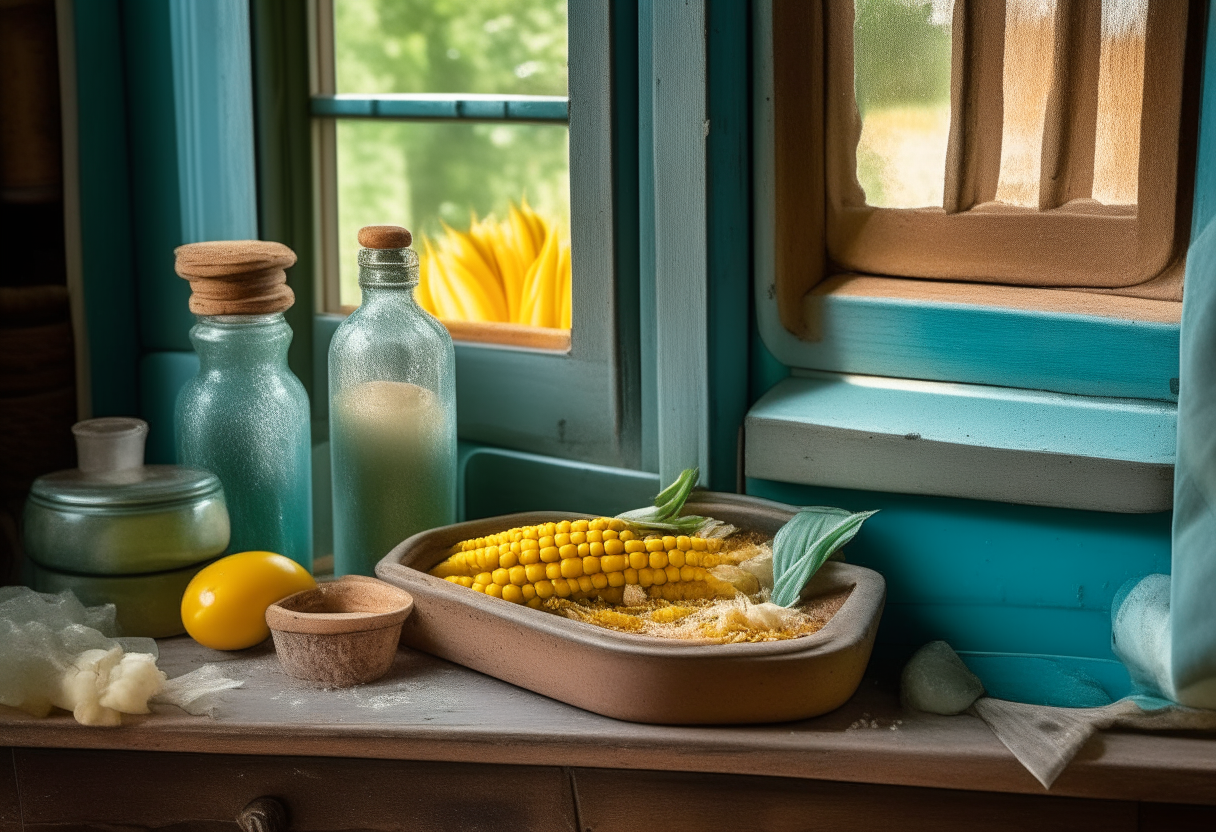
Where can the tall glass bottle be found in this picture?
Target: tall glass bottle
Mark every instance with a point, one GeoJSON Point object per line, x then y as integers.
{"type": "Point", "coordinates": [245, 417]}
{"type": "Point", "coordinates": [392, 411]}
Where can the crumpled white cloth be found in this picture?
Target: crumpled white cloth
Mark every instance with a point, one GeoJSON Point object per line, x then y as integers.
{"type": "Point", "coordinates": [192, 691]}
{"type": "Point", "coordinates": [1045, 739]}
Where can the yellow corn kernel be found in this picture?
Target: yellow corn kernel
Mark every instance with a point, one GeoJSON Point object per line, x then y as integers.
{"type": "Point", "coordinates": [535, 572]}
{"type": "Point", "coordinates": [683, 543]}
{"type": "Point", "coordinates": [563, 527]}
{"type": "Point", "coordinates": [507, 559]}
{"type": "Point", "coordinates": [515, 547]}
{"type": "Point", "coordinates": [585, 584]}
{"type": "Point", "coordinates": [494, 590]}
{"type": "Point", "coordinates": [502, 576]}
{"type": "Point", "coordinates": [572, 567]}
{"type": "Point", "coordinates": [578, 526]}
{"type": "Point", "coordinates": [597, 549]}
{"type": "Point", "coordinates": [609, 534]}
{"type": "Point", "coordinates": [484, 578]}
{"type": "Point", "coordinates": [654, 544]}
{"type": "Point", "coordinates": [568, 551]}
{"type": "Point", "coordinates": [544, 589]}
{"type": "Point", "coordinates": [632, 576]}
{"type": "Point", "coordinates": [535, 604]}
{"type": "Point", "coordinates": [632, 546]}
{"type": "Point", "coordinates": [553, 571]}
{"type": "Point", "coordinates": [512, 593]}
{"type": "Point", "coordinates": [584, 549]}
{"type": "Point", "coordinates": [531, 533]}
{"type": "Point", "coordinates": [624, 533]}
{"type": "Point", "coordinates": [692, 558]}
{"type": "Point", "coordinates": [614, 563]}
{"type": "Point", "coordinates": [637, 560]}
{"type": "Point", "coordinates": [561, 589]}
{"type": "Point", "coordinates": [479, 587]}
{"type": "Point", "coordinates": [518, 575]}
{"type": "Point", "coordinates": [549, 554]}
{"type": "Point", "coordinates": [529, 556]}
{"type": "Point", "coordinates": [669, 542]}
{"type": "Point", "coordinates": [676, 557]}
{"type": "Point", "coordinates": [560, 540]}
{"type": "Point", "coordinates": [598, 524]}
{"type": "Point", "coordinates": [698, 544]}
{"type": "Point", "coordinates": [645, 577]}
{"type": "Point", "coordinates": [578, 537]}
{"type": "Point", "coordinates": [550, 529]}
{"type": "Point", "coordinates": [591, 565]}
{"type": "Point", "coordinates": [545, 541]}
{"type": "Point", "coordinates": [613, 547]}
{"type": "Point", "coordinates": [488, 561]}
{"type": "Point", "coordinates": [659, 576]}
{"type": "Point", "coordinates": [673, 574]}
{"type": "Point", "coordinates": [658, 560]}
{"type": "Point", "coordinates": [529, 591]}
{"type": "Point", "coordinates": [599, 581]}
{"type": "Point", "coordinates": [688, 573]}
{"type": "Point", "coordinates": [528, 544]}
{"type": "Point", "coordinates": [595, 536]}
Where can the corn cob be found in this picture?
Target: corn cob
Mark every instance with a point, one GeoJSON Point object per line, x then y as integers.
{"type": "Point", "coordinates": [585, 559]}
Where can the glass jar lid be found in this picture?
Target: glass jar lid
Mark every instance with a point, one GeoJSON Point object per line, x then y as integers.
{"type": "Point", "coordinates": [111, 473]}
{"type": "Point", "coordinates": [151, 486]}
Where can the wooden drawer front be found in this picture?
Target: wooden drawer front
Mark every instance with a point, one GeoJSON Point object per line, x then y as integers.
{"type": "Point", "coordinates": [67, 790]}
{"type": "Point", "coordinates": [617, 801]}
{"type": "Point", "coordinates": [10, 806]}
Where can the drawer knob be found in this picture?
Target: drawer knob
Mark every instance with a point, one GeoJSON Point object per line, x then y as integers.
{"type": "Point", "coordinates": [263, 814]}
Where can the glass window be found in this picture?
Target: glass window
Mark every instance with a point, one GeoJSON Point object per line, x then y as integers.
{"type": "Point", "coordinates": [483, 182]}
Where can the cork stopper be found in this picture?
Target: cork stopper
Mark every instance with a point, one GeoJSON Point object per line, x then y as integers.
{"type": "Point", "coordinates": [385, 236]}
{"type": "Point", "coordinates": [236, 277]}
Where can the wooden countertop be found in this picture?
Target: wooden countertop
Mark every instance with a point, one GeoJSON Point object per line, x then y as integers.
{"type": "Point", "coordinates": [430, 709]}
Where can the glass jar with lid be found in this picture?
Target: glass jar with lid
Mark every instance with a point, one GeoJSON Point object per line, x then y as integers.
{"type": "Point", "coordinates": [114, 530]}
{"type": "Point", "coordinates": [392, 410]}
{"type": "Point", "coordinates": [245, 415]}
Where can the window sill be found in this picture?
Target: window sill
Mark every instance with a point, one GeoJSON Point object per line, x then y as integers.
{"type": "Point", "coordinates": [964, 440]}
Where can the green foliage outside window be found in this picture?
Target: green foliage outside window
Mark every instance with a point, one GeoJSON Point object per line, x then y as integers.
{"type": "Point", "coordinates": [427, 174]}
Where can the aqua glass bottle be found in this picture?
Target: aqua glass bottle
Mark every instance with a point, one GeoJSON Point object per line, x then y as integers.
{"type": "Point", "coordinates": [245, 417]}
{"type": "Point", "coordinates": [392, 411]}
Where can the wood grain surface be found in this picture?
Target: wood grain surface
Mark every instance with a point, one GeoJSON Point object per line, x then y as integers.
{"type": "Point", "coordinates": [426, 709]}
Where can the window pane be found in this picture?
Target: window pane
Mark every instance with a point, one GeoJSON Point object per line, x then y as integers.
{"type": "Point", "coordinates": [901, 59]}
{"type": "Point", "coordinates": [505, 47]}
{"type": "Point", "coordinates": [1120, 100]}
{"type": "Point", "coordinates": [442, 180]}
{"type": "Point", "coordinates": [1029, 55]}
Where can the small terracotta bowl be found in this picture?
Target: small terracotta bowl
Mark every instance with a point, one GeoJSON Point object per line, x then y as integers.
{"type": "Point", "coordinates": [342, 633]}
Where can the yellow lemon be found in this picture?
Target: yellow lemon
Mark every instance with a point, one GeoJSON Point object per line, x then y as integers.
{"type": "Point", "coordinates": [224, 607]}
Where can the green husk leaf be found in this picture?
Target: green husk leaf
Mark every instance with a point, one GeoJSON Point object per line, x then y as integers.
{"type": "Point", "coordinates": [664, 515]}
{"type": "Point", "coordinates": [805, 543]}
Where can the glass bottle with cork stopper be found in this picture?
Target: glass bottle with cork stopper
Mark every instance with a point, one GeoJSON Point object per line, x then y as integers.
{"type": "Point", "coordinates": [392, 410]}
{"type": "Point", "coordinates": [245, 415]}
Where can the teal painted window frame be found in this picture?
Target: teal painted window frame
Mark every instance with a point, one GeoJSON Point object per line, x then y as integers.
{"type": "Point", "coordinates": [583, 404]}
{"type": "Point", "coordinates": [1087, 362]}
{"type": "Point", "coordinates": [952, 342]}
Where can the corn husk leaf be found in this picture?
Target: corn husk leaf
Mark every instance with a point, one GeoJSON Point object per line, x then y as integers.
{"type": "Point", "coordinates": [805, 543]}
{"type": "Point", "coordinates": [664, 515]}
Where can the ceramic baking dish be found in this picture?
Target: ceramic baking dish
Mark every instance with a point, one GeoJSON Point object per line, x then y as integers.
{"type": "Point", "coordinates": [634, 677]}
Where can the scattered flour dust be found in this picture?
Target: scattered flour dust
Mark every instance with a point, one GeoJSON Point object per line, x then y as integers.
{"type": "Point", "coordinates": [868, 723]}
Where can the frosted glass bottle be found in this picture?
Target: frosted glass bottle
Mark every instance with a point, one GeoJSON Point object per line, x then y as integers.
{"type": "Point", "coordinates": [245, 417]}
{"type": "Point", "coordinates": [392, 414]}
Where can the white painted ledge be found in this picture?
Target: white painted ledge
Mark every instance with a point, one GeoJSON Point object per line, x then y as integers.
{"type": "Point", "coordinates": [965, 440]}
